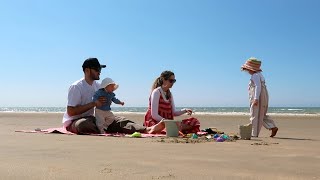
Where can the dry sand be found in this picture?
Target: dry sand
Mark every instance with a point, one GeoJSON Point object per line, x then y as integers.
{"type": "Point", "coordinates": [293, 154]}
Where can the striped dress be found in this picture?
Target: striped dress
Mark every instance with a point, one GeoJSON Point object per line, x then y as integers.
{"type": "Point", "coordinates": [165, 111]}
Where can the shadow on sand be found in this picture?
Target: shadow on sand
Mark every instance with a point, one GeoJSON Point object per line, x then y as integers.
{"type": "Point", "coordinates": [296, 139]}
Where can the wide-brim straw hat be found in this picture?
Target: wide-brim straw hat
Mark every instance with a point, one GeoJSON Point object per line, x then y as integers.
{"type": "Point", "coordinates": [252, 64]}
{"type": "Point", "coordinates": [105, 82]}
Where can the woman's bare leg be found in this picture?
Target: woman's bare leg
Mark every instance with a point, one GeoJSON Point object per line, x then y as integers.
{"type": "Point", "coordinates": [157, 128]}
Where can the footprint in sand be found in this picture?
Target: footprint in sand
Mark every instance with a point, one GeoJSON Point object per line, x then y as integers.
{"type": "Point", "coordinates": [169, 176]}
{"type": "Point", "coordinates": [106, 170]}
{"type": "Point", "coordinates": [262, 143]}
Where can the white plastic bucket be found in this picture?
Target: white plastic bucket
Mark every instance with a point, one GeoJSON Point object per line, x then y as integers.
{"type": "Point", "coordinates": [172, 128]}
{"type": "Point", "coordinates": [245, 131]}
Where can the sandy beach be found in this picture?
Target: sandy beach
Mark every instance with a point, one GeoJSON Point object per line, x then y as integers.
{"type": "Point", "coordinates": [293, 154]}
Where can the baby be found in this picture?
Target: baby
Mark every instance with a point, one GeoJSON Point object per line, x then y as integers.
{"type": "Point", "coordinates": [103, 114]}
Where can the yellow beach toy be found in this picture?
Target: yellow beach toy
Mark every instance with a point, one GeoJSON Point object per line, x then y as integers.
{"type": "Point", "coordinates": [136, 135]}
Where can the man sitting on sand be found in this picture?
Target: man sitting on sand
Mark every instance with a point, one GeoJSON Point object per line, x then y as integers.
{"type": "Point", "coordinates": [79, 118]}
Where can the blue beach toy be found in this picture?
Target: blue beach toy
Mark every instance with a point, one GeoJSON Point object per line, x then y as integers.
{"type": "Point", "coordinates": [216, 136]}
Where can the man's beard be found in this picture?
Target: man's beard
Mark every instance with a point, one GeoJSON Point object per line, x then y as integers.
{"type": "Point", "coordinates": [94, 77]}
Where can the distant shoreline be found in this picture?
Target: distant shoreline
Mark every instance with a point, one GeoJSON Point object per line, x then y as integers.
{"type": "Point", "coordinates": [197, 114]}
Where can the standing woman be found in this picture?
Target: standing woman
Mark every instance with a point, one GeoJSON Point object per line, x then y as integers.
{"type": "Point", "coordinates": [161, 105]}
{"type": "Point", "coordinates": [259, 98]}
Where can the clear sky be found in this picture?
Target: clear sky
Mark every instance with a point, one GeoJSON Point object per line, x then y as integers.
{"type": "Point", "coordinates": [204, 42]}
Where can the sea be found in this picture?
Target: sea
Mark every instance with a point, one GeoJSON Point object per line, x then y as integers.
{"type": "Point", "coordinates": [197, 110]}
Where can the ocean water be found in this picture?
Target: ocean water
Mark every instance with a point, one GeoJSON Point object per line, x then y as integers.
{"type": "Point", "coordinates": [197, 110]}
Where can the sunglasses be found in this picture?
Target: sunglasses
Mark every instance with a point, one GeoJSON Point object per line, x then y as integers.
{"type": "Point", "coordinates": [172, 80]}
{"type": "Point", "coordinates": [96, 69]}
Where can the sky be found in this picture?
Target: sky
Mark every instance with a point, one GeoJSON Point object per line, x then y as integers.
{"type": "Point", "coordinates": [43, 44]}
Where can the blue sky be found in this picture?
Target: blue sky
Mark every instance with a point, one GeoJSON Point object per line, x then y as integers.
{"type": "Point", "coordinates": [44, 43]}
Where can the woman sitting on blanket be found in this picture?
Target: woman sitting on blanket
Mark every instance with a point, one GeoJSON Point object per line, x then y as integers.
{"type": "Point", "coordinates": [161, 106]}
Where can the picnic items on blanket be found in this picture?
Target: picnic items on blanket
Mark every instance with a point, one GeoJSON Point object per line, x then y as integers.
{"type": "Point", "coordinates": [224, 136]}
{"type": "Point", "coordinates": [219, 139]}
{"type": "Point", "coordinates": [136, 135]}
{"type": "Point", "coordinates": [212, 130]}
{"type": "Point", "coordinates": [172, 127]}
{"type": "Point", "coordinates": [245, 131]}
{"type": "Point", "coordinates": [209, 131]}
{"type": "Point", "coordinates": [217, 135]}
{"type": "Point", "coordinates": [194, 136]}
{"type": "Point", "coordinates": [180, 138]}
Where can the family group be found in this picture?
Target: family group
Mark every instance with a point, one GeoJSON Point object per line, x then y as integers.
{"type": "Point", "coordinates": [88, 106]}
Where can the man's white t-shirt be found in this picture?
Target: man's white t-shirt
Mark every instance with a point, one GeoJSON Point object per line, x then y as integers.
{"type": "Point", "coordinates": [80, 93]}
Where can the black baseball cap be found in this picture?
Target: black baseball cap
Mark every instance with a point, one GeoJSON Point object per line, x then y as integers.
{"type": "Point", "coordinates": [92, 63]}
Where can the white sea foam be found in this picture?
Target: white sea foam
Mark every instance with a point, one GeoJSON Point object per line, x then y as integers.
{"type": "Point", "coordinates": [221, 111]}
{"type": "Point", "coordinates": [229, 114]}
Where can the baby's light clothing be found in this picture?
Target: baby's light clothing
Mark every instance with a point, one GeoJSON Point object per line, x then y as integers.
{"type": "Point", "coordinates": [110, 97]}
{"type": "Point", "coordinates": [103, 119]}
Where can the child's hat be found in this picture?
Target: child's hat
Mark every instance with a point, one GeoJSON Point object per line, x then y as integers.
{"type": "Point", "coordinates": [252, 64]}
{"type": "Point", "coordinates": [106, 81]}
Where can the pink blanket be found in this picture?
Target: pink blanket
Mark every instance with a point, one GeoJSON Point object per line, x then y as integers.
{"type": "Point", "coordinates": [62, 130]}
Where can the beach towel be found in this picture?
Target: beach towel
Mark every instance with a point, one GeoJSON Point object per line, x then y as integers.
{"type": "Point", "coordinates": [62, 130]}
